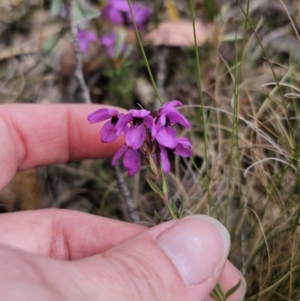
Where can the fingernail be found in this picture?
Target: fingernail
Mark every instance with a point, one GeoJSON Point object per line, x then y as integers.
{"type": "Point", "coordinates": [197, 245]}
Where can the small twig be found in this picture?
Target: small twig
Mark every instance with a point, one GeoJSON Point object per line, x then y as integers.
{"type": "Point", "coordinates": [78, 56]}
{"type": "Point", "coordinates": [126, 195]}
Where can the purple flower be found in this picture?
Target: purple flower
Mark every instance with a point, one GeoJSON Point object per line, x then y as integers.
{"type": "Point", "coordinates": [131, 160]}
{"type": "Point", "coordinates": [183, 148]}
{"type": "Point", "coordinates": [136, 134]}
{"type": "Point", "coordinates": [85, 37]}
{"type": "Point", "coordinates": [108, 131]}
{"type": "Point", "coordinates": [109, 42]}
{"type": "Point", "coordinates": [167, 117]}
{"type": "Point", "coordinates": [165, 163]}
{"type": "Point", "coordinates": [118, 12]}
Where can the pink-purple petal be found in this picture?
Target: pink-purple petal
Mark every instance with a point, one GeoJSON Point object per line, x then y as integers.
{"type": "Point", "coordinates": [139, 113]}
{"type": "Point", "coordinates": [183, 147]}
{"type": "Point", "coordinates": [98, 116]}
{"type": "Point", "coordinates": [172, 103]}
{"type": "Point", "coordinates": [166, 136]}
{"type": "Point", "coordinates": [149, 122]}
{"type": "Point", "coordinates": [165, 163]}
{"type": "Point", "coordinates": [135, 136]}
{"type": "Point", "coordinates": [121, 6]}
{"type": "Point", "coordinates": [115, 17]}
{"type": "Point", "coordinates": [123, 121]}
{"type": "Point", "coordinates": [119, 154]}
{"type": "Point", "coordinates": [108, 132]}
{"type": "Point", "coordinates": [161, 121]}
{"type": "Point", "coordinates": [132, 161]}
{"type": "Point", "coordinates": [175, 117]}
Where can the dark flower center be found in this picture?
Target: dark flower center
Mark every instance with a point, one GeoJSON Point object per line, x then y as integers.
{"type": "Point", "coordinates": [114, 120]}
{"type": "Point", "coordinates": [126, 20]}
{"type": "Point", "coordinates": [137, 120]}
{"type": "Point", "coordinates": [168, 122]}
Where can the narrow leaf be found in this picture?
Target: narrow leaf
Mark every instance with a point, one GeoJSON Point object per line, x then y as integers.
{"type": "Point", "coordinates": [154, 187]}
{"type": "Point", "coordinates": [233, 289]}
{"type": "Point", "coordinates": [55, 8]}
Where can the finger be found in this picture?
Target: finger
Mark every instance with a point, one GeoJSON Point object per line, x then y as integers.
{"type": "Point", "coordinates": [63, 234]}
{"type": "Point", "coordinates": [178, 260]}
{"type": "Point", "coordinates": [37, 135]}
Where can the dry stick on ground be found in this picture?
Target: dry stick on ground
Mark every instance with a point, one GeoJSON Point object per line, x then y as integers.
{"type": "Point", "coordinates": [126, 194]}
{"type": "Point", "coordinates": [78, 56]}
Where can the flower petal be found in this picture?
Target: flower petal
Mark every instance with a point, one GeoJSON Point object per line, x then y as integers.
{"type": "Point", "coordinates": [122, 122]}
{"type": "Point", "coordinates": [121, 6]}
{"type": "Point", "coordinates": [172, 103]}
{"type": "Point", "coordinates": [91, 36]}
{"type": "Point", "coordinates": [149, 122]}
{"type": "Point", "coordinates": [115, 17]}
{"type": "Point", "coordinates": [139, 113]}
{"type": "Point", "coordinates": [183, 147]}
{"type": "Point", "coordinates": [119, 154]}
{"type": "Point", "coordinates": [98, 116]}
{"type": "Point", "coordinates": [135, 136]}
{"type": "Point", "coordinates": [166, 136]}
{"type": "Point", "coordinates": [84, 46]}
{"type": "Point", "coordinates": [108, 132]}
{"type": "Point", "coordinates": [165, 163]}
{"type": "Point", "coordinates": [175, 117]}
{"type": "Point", "coordinates": [108, 40]}
{"type": "Point", "coordinates": [132, 161]}
{"type": "Point", "coordinates": [161, 121]}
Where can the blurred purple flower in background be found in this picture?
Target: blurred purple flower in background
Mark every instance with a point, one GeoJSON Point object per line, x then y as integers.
{"type": "Point", "coordinates": [109, 42]}
{"type": "Point", "coordinates": [118, 12]}
{"type": "Point", "coordinates": [85, 38]}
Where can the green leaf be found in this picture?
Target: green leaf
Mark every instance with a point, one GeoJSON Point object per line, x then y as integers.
{"type": "Point", "coordinates": [164, 184]}
{"type": "Point", "coordinates": [233, 289]}
{"type": "Point", "coordinates": [55, 8]}
{"type": "Point", "coordinates": [121, 36]}
{"type": "Point", "coordinates": [154, 187]}
{"type": "Point", "coordinates": [211, 8]}
{"type": "Point", "coordinates": [84, 13]}
{"type": "Point", "coordinates": [217, 293]}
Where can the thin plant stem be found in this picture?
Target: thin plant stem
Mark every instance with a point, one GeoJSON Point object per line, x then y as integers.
{"type": "Point", "coordinates": [191, 7]}
{"type": "Point", "coordinates": [191, 2]}
{"type": "Point", "coordinates": [144, 54]}
{"type": "Point", "coordinates": [272, 69]}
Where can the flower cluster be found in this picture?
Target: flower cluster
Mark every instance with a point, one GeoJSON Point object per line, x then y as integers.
{"type": "Point", "coordinates": [147, 134]}
{"type": "Point", "coordinates": [118, 12]}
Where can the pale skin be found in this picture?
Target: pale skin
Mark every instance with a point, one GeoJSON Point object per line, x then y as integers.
{"type": "Point", "coordinates": [66, 255]}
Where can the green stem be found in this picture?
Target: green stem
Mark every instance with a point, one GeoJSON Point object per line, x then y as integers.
{"type": "Point", "coordinates": [144, 54]}
{"type": "Point", "coordinates": [172, 213]}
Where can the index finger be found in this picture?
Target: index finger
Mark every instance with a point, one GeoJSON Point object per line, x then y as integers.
{"type": "Point", "coordinates": [36, 134]}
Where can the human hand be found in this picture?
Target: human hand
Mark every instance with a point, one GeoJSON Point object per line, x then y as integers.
{"type": "Point", "coordinates": [67, 255]}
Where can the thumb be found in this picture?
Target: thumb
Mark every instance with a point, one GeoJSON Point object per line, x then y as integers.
{"type": "Point", "coordinates": [177, 260]}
